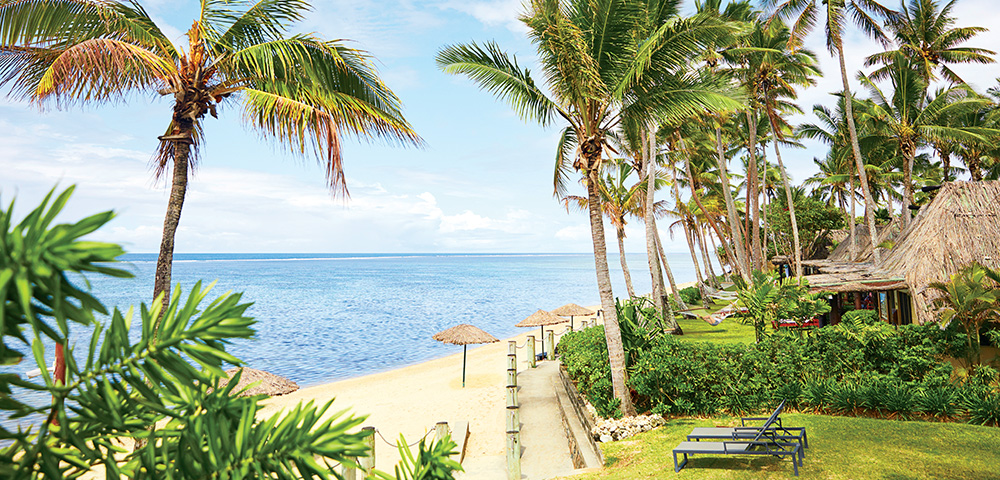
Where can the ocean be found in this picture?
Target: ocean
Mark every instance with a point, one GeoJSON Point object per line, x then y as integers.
{"type": "Point", "coordinates": [326, 317]}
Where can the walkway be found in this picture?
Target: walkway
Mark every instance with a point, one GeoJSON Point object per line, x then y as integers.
{"type": "Point", "coordinates": [544, 446]}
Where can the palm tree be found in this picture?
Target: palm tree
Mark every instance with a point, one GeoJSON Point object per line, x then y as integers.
{"type": "Point", "coordinates": [602, 62]}
{"type": "Point", "coordinates": [770, 72]}
{"type": "Point", "coordinates": [617, 201]}
{"type": "Point", "coordinates": [907, 120]}
{"type": "Point", "coordinates": [865, 14]}
{"type": "Point", "coordinates": [836, 168]}
{"type": "Point", "coordinates": [302, 91]}
{"type": "Point", "coordinates": [924, 35]}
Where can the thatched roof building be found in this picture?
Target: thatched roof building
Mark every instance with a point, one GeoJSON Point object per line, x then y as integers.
{"type": "Point", "coordinates": [269, 383]}
{"type": "Point", "coordinates": [960, 226]}
{"type": "Point", "coordinates": [842, 253]}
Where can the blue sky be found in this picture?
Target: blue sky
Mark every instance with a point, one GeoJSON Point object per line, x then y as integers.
{"type": "Point", "coordinates": [483, 183]}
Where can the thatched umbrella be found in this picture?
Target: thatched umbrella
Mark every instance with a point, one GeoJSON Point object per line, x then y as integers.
{"type": "Point", "coordinates": [464, 335]}
{"type": "Point", "coordinates": [541, 318]}
{"type": "Point", "coordinates": [571, 310]}
{"type": "Point", "coordinates": [270, 384]}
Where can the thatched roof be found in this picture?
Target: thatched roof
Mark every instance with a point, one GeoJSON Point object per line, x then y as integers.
{"type": "Point", "coordinates": [572, 309]}
{"type": "Point", "coordinates": [270, 384]}
{"type": "Point", "coordinates": [541, 318]}
{"type": "Point", "coordinates": [842, 253]}
{"type": "Point", "coordinates": [464, 334]}
{"type": "Point", "coordinates": [960, 226]}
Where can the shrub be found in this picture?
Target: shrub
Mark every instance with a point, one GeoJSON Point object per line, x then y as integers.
{"type": "Point", "coordinates": [862, 317]}
{"type": "Point", "coordinates": [690, 295]}
{"type": "Point", "coordinates": [983, 409]}
{"type": "Point", "coordinates": [938, 401]}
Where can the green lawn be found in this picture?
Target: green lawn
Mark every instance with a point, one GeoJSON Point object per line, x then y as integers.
{"type": "Point", "coordinates": [839, 448]}
{"type": "Point", "coordinates": [729, 331]}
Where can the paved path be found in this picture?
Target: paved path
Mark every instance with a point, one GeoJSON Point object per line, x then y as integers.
{"type": "Point", "coordinates": [544, 446]}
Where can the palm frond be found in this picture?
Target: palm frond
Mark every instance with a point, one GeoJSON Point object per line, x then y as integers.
{"type": "Point", "coordinates": [493, 70]}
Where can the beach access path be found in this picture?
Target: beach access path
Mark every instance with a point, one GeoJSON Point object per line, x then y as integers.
{"type": "Point", "coordinates": [412, 399]}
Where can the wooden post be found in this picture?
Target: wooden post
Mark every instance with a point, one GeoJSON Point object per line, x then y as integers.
{"type": "Point", "coordinates": [511, 377]}
{"type": "Point", "coordinates": [552, 344]}
{"type": "Point", "coordinates": [347, 472]}
{"type": "Point", "coordinates": [368, 463]}
{"type": "Point", "coordinates": [512, 362]}
{"type": "Point", "coordinates": [531, 351]}
{"type": "Point", "coordinates": [441, 430]}
{"type": "Point", "coordinates": [513, 455]}
{"type": "Point", "coordinates": [571, 323]}
{"type": "Point", "coordinates": [512, 347]}
{"type": "Point", "coordinates": [511, 395]}
{"type": "Point", "coordinates": [513, 418]}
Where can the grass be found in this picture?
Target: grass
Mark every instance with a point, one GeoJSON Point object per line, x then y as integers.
{"type": "Point", "coordinates": [839, 448]}
{"type": "Point", "coordinates": [729, 331]}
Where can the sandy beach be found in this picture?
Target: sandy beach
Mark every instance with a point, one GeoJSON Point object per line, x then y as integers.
{"type": "Point", "coordinates": [412, 399]}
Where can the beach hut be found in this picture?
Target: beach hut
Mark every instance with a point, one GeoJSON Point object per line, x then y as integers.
{"type": "Point", "coordinates": [573, 310]}
{"type": "Point", "coordinates": [541, 318]}
{"type": "Point", "coordinates": [270, 384]}
{"type": "Point", "coordinates": [464, 335]}
{"type": "Point", "coordinates": [959, 227]}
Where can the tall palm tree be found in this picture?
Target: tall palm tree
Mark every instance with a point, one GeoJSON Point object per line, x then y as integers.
{"type": "Point", "coordinates": [771, 72]}
{"type": "Point", "coordinates": [864, 13]}
{"type": "Point", "coordinates": [602, 62]}
{"type": "Point", "coordinates": [925, 35]}
{"type": "Point", "coordinates": [304, 92]}
{"type": "Point", "coordinates": [907, 120]}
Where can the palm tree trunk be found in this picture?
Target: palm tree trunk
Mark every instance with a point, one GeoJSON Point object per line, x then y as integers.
{"type": "Point", "coordinates": [722, 265]}
{"type": "Point", "coordinates": [670, 278]}
{"type": "Point", "coordinates": [709, 271]}
{"type": "Point", "coordinates": [697, 198]}
{"type": "Point", "coordinates": [164, 262]}
{"type": "Point", "coordinates": [621, 253]}
{"type": "Point", "coordinates": [945, 165]}
{"type": "Point", "coordinates": [753, 192]}
{"type": "Point", "coordinates": [699, 280]}
{"type": "Point", "coordinates": [910, 152]}
{"type": "Point", "coordinates": [856, 150]}
{"type": "Point", "coordinates": [612, 333]}
{"type": "Point", "coordinates": [648, 174]}
{"type": "Point", "coordinates": [796, 248]}
{"type": "Point", "coordinates": [734, 221]}
{"type": "Point", "coordinates": [853, 246]}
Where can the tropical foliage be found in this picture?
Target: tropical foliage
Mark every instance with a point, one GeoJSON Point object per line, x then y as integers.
{"type": "Point", "coordinates": [303, 92]}
{"type": "Point", "coordinates": [120, 376]}
{"type": "Point", "coordinates": [767, 300]}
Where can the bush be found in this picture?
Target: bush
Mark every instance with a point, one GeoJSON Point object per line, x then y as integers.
{"type": "Point", "coordinates": [871, 369]}
{"type": "Point", "coordinates": [690, 295]}
{"type": "Point", "coordinates": [861, 317]}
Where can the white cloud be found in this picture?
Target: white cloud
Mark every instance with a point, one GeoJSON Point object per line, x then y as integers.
{"type": "Point", "coordinates": [493, 13]}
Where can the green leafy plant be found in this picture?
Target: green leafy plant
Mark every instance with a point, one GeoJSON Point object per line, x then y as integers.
{"type": "Point", "coordinates": [124, 383]}
{"type": "Point", "coordinates": [690, 295]}
{"type": "Point", "coordinates": [766, 300]}
{"type": "Point", "coordinates": [939, 402]}
{"type": "Point", "coordinates": [970, 299]}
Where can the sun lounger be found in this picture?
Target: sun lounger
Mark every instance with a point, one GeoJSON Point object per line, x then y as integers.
{"type": "Point", "coordinates": [739, 448]}
{"type": "Point", "coordinates": [775, 434]}
{"type": "Point", "coordinates": [762, 440]}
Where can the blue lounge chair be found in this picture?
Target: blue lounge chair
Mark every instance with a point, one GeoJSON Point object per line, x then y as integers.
{"type": "Point", "coordinates": [759, 444]}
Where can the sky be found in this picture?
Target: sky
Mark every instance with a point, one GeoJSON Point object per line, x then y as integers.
{"type": "Point", "coordinates": [481, 183]}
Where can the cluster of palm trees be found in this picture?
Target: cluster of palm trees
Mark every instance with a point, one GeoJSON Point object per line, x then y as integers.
{"type": "Point", "coordinates": [650, 99]}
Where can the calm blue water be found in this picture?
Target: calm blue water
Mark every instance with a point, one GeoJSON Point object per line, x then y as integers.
{"type": "Point", "coordinates": [326, 317]}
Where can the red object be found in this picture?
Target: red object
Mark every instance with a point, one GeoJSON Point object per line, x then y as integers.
{"type": "Point", "coordinates": [814, 322]}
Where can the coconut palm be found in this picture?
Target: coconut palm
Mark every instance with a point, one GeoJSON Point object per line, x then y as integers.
{"type": "Point", "coordinates": [300, 90]}
{"type": "Point", "coordinates": [864, 13]}
{"type": "Point", "coordinates": [602, 62]}
{"type": "Point", "coordinates": [907, 119]}
{"type": "Point", "coordinates": [770, 72]}
{"type": "Point", "coordinates": [925, 35]}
